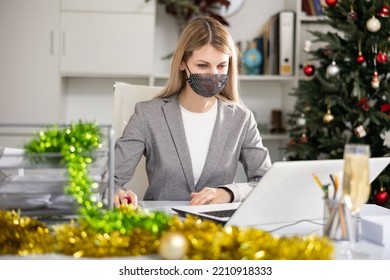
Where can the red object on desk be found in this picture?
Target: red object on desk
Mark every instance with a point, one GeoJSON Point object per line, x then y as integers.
{"type": "Point", "coordinates": [128, 198]}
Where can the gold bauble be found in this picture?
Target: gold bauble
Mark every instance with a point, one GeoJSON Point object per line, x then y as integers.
{"type": "Point", "coordinates": [173, 246]}
{"type": "Point", "coordinates": [328, 117]}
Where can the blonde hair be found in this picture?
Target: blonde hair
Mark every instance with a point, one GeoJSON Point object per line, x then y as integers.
{"type": "Point", "coordinates": [199, 32]}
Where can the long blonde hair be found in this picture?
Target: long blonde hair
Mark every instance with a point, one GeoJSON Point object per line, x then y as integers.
{"type": "Point", "coordinates": [199, 32]}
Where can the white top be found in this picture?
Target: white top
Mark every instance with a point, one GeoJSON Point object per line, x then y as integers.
{"type": "Point", "coordinates": [198, 129]}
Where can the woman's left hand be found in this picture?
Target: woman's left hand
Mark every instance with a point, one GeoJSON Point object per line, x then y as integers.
{"type": "Point", "coordinates": [211, 196]}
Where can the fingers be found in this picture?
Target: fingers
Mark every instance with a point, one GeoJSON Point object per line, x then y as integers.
{"type": "Point", "coordinates": [125, 198]}
{"type": "Point", "coordinates": [210, 196]}
{"type": "Point", "coordinates": [205, 196]}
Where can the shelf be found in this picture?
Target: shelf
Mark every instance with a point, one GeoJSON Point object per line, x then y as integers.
{"type": "Point", "coordinates": [312, 19]}
{"type": "Point", "coordinates": [276, 136]}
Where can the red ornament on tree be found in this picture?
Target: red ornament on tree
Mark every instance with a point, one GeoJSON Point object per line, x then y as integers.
{"type": "Point", "coordinates": [309, 70]}
{"type": "Point", "coordinates": [384, 12]}
{"type": "Point", "coordinates": [360, 58]}
{"type": "Point", "coordinates": [381, 57]}
{"type": "Point", "coordinates": [381, 197]}
{"type": "Point", "coordinates": [331, 2]}
{"type": "Point", "coordinates": [364, 103]}
{"type": "Point", "coordinates": [303, 139]}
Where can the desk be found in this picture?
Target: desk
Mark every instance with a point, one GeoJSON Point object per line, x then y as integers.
{"type": "Point", "coordinates": [301, 228]}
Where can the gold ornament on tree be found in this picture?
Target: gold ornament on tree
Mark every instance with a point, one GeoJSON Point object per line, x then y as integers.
{"type": "Point", "coordinates": [352, 15]}
{"type": "Point", "coordinates": [328, 117]}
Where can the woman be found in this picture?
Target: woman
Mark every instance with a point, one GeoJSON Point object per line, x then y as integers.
{"type": "Point", "coordinates": [196, 131]}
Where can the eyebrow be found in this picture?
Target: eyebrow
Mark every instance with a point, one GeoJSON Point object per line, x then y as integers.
{"type": "Point", "coordinates": [206, 62]}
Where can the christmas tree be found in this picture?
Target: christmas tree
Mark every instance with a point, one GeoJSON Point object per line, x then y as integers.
{"type": "Point", "coordinates": [345, 96]}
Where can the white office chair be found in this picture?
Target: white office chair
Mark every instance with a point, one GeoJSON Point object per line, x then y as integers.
{"type": "Point", "coordinates": [125, 98]}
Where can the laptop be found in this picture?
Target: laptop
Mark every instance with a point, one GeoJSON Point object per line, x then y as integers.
{"type": "Point", "coordinates": [286, 193]}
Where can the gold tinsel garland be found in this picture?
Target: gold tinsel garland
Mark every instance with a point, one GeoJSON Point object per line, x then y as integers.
{"type": "Point", "coordinates": [207, 241]}
{"type": "Point", "coordinates": [23, 235]}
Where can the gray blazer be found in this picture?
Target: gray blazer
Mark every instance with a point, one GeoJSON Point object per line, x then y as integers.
{"type": "Point", "coordinates": [156, 131]}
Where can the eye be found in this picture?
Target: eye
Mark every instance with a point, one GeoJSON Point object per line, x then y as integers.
{"type": "Point", "coordinates": [222, 66]}
{"type": "Point", "coordinates": [202, 65]}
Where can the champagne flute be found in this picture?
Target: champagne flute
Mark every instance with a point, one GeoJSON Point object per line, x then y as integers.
{"type": "Point", "coordinates": [356, 187]}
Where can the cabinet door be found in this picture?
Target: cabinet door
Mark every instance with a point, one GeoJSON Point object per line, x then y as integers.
{"type": "Point", "coordinates": [107, 44]}
{"type": "Point", "coordinates": [30, 85]}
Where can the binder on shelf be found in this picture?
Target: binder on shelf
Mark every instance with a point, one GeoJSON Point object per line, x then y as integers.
{"type": "Point", "coordinates": [281, 43]}
{"type": "Point", "coordinates": [318, 7]}
{"type": "Point", "coordinates": [260, 47]}
{"type": "Point", "coordinates": [306, 8]}
{"type": "Point", "coordinates": [266, 47]}
{"type": "Point", "coordinates": [312, 7]}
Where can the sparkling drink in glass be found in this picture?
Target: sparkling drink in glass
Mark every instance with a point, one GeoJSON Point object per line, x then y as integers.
{"type": "Point", "coordinates": [356, 187]}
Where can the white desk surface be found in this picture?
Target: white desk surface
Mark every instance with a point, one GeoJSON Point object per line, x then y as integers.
{"type": "Point", "coordinates": [375, 252]}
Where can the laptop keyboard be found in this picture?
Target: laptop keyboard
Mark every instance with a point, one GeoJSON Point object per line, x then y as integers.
{"type": "Point", "coordinates": [220, 213]}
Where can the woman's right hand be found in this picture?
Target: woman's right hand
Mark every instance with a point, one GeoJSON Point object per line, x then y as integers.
{"type": "Point", "coordinates": [124, 198]}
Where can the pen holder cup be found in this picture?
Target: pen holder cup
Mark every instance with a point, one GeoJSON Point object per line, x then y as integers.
{"type": "Point", "coordinates": [338, 221]}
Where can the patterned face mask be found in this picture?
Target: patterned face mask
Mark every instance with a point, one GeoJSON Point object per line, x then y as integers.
{"type": "Point", "coordinates": [207, 85]}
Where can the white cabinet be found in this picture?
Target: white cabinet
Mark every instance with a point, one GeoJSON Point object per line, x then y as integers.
{"type": "Point", "coordinates": [112, 6]}
{"type": "Point", "coordinates": [107, 38]}
{"type": "Point", "coordinates": [30, 85]}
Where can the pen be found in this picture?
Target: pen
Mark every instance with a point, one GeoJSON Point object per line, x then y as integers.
{"type": "Point", "coordinates": [335, 184]}
{"type": "Point", "coordinates": [317, 180]}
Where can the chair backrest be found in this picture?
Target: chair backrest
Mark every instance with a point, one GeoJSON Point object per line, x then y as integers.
{"type": "Point", "coordinates": [125, 98]}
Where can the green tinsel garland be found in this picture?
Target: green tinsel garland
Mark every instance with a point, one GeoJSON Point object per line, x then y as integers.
{"type": "Point", "coordinates": [75, 146]}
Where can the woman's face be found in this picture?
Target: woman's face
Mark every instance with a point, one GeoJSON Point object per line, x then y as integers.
{"type": "Point", "coordinates": [208, 60]}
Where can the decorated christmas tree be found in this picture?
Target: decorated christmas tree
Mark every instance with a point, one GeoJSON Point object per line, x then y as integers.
{"type": "Point", "coordinates": [345, 96]}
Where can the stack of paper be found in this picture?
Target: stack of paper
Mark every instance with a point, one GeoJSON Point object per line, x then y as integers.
{"type": "Point", "coordinates": [375, 225]}
{"type": "Point", "coordinates": [376, 229]}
